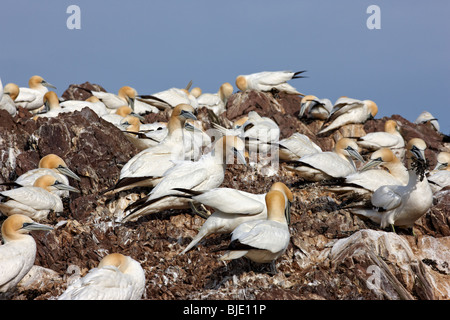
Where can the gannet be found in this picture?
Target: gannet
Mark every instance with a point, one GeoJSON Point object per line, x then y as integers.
{"type": "Point", "coordinates": [10, 93]}
{"type": "Point", "coordinates": [117, 117]}
{"type": "Point", "coordinates": [125, 96]}
{"type": "Point", "coordinates": [117, 277]}
{"type": "Point", "coordinates": [425, 117]}
{"type": "Point", "coordinates": [390, 138]}
{"type": "Point", "coordinates": [439, 178]}
{"type": "Point", "coordinates": [367, 179]}
{"type": "Point", "coordinates": [262, 241]}
{"type": "Point", "coordinates": [402, 205]}
{"type": "Point", "coordinates": [349, 111]}
{"type": "Point", "coordinates": [330, 164]}
{"type": "Point", "coordinates": [36, 201]}
{"type": "Point", "coordinates": [18, 252]}
{"type": "Point", "coordinates": [172, 97]}
{"type": "Point", "coordinates": [314, 108]}
{"type": "Point", "coordinates": [51, 106]}
{"type": "Point", "coordinates": [296, 146]}
{"type": "Point", "coordinates": [50, 164]}
{"type": "Point", "coordinates": [92, 102]}
{"type": "Point", "coordinates": [131, 128]}
{"type": "Point", "coordinates": [206, 173]}
{"type": "Point", "coordinates": [31, 98]}
{"type": "Point", "coordinates": [231, 208]}
{"type": "Point", "coordinates": [216, 101]}
{"type": "Point", "coordinates": [148, 166]}
{"type": "Point", "coordinates": [269, 81]}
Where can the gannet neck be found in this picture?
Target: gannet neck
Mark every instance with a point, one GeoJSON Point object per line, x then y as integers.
{"type": "Point", "coordinates": [275, 202]}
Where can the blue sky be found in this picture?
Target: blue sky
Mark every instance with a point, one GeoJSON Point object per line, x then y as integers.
{"type": "Point", "coordinates": [155, 45]}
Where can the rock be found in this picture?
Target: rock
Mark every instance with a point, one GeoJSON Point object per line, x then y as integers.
{"type": "Point", "coordinates": [76, 92]}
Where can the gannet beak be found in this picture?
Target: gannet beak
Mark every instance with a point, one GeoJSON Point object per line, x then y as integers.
{"type": "Point", "coordinates": [189, 127]}
{"type": "Point", "coordinates": [419, 154]}
{"type": "Point", "coordinates": [36, 226]}
{"type": "Point", "coordinates": [371, 164]}
{"type": "Point", "coordinates": [48, 85]}
{"type": "Point", "coordinates": [63, 186]}
{"type": "Point", "coordinates": [440, 166]}
{"type": "Point", "coordinates": [188, 115]}
{"type": "Point", "coordinates": [354, 153]}
{"type": "Point", "coordinates": [240, 156]}
{"type": "Point", "coordinates": [67, 172]}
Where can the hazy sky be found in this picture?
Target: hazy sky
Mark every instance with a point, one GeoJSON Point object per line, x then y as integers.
{"type": "Point", "coordinates": [155, 45]}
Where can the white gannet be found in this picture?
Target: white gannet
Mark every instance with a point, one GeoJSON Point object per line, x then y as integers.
{"type": "Point", "coordinates": [51, 106]}
{"type": "Point", "coordinates": [367, 179]}
{"type": "Point", "coordinates": [390, 138]}
{"type": "Point", "coordinates": [131, 128]}
{"type": "Point", "coordinates": [125, 96]}
{"type": "Point", "coordinates": [296, 146]}
{"type": "Point", "coordinates": [172, 97]}
{"type": "Point", "coordinates": [36, 201]}
{"type": "Point", "coordinates": [92, 103]}
{"type": "Point", "coordinates": [205, 174]}
{"type": "Point", "coordinates": [269, 81]}
{"type": "Point", "coordinates": [147, 167]}
{"type": "Point", "coordinates": [329, 164]}
{"type": "Point", "coordinates": [119, 114]}
{"type": "Point", "coordinates": [18, 252]}
{"type": "Point", "coordinates": [439, 178]}
{"type": "Point", "coordinates": [216, 101]}
{"type": "Point", "coordinates": [401, 205]}
{"type": "Point", "coordinates": [31, 98]}
{"type": "Point", "coordinates": [349, 111]}
{"type": "Point", "coordinates": [426, 117]}
{"type": "Point", "coordinates": [314, 108]}
{"type": "Point", "coordinates": [50, 164]}
{"type": "Point", "coordinates": [231, 208]}
{"type": "Point", "coordinates": [10, 93]}
{"type": "Point", "coordinates": [262, 241]}
{"type": "Point", "coordinates": [117, 277]}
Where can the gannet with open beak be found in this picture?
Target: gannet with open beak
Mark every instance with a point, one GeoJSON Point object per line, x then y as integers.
{"type": "Point", "coordinates": [50, 164]}
{"type": "Point", "coordinates": [296, 146]}
{"type": "Point", "coordinates": [427, 117]}
{"type": "Point", "coordinates": [314, 108]}
{"type": "Point", "coordinates": [18, 253]}
{"type": "Point", "coordinates": [10, 93]}
{"type": "Point", "coordinates": [205, 174]}
{"type": "Point", "coordinates": [390, 138]}
{"type": "Point", "coordinates": [262, 241]}
{"type": "Point", "coordinates": [269, 81]}
{"type": "Point", "coordinates": [330, 164]}
{"type": "Point", "coordinates": [439, 178]}
{"type": "Point", "coordinates": [32, 97]}
{"type": "Point", "coordinates": [216, 101]}
{"type": "Point", "coordinates": [401, 205]}
{"type": "Point", "coordinates": [36, 201]}
{"type": "Point", "coordinates": [117, 277]}
{"type": "Point", "coordinates": [147, 167]}
{"type": "Point", "coordinates": [231, 208]}
{"type": "Point", "coordinates": [349, 111]}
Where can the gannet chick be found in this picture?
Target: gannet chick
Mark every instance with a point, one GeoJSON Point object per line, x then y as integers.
{"type": "Point", "coordinates": [117, 277]}
{"type": "Point", "coordinates": [50, 164]}
{"type": "Point", "coordinates": [330, 164]}
{"type": "Point", "coordinates": [426, 117]}
{"type": "Point", "coordinates": [439, 178]}
{"type": "Point", "coordinates": [390, 138]}
{"type": "Point", "coordinates": [314, 108]}
{"type": "Point", "coordinates": [32, 97]}
{"type": "Point", "coordinates": [147, 167]}
{"type": "Point", "coordinates": [296, 146]}
{"type": "Point", "coordinates": [37, 201]}
{"type": "Point", "coordinates": [7, 99]}
{"type": "Point", "coordinates": [349, 111]}
{"type": "Point", "coordinates": [402, 205]}
{"type": "Point", "coordinates": [205, 174]}
{"type": "Point", "coordinates": [231, 208]}
{"type": "Point", "coordinates": [216, 101]}
{"type": "Point", "coordinates": [262, 241]}
{"type": "Point", "coordinates": [18, 252]}
{"type": "Point", "coordinates": [269, 81]}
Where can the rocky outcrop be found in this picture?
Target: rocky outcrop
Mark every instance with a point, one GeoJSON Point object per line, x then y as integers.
{"type": "Point", "coordinates": [332, 255]}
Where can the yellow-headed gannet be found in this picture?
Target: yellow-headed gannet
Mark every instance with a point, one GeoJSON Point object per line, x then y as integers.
{"type": "Point", "coordinates": [117, 277]}
{"type": "Point", "coordinates": [269, 81]}
{"type": "Point", "coordinates": [390, 138]}
{"type": "Point", "coordinates": [216, 101]}
{"type": "Point", "coordinates": [32, 97]}
{"type": "Point", "coordinates": [296, 146]}
{"type": "Point", "coordinates": [426, 117]}
{"type": "Point", "coordinates": [439, 178]}
{"type": "Point", "coordinates": [18, 252]}
{"type": "Point", "coordinates": [312, 107]}
{"type": "Point", "coordinates": [10, 93]}
{"type": "Point", "coordinates": [92, 103]}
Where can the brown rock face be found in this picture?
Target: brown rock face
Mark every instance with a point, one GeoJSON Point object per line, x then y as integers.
{"type": "Point", "coordinates": [332, 254]}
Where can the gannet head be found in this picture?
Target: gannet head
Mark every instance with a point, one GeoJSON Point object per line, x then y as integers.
{"type": "Point", "coordinates": [380, 156]}
{"type": "Point", "coordinates": [280, 186]}
{"type": "Point", "coordinates": [196, 92]}
{"type": "Point", "coordinates": [307, 101]}
{"type": "Point", "coordinates": [225, 91]}
{"type": "Point", "coordinates": [51, 184]}
{"type": "Point", "coordinates": [348, 147]}
{"type": "Point", "coordinates": [37, 82]}
{"type": "Point", "coordinates": [391, 126]}
{"type": "Point", "coordinates": [240, 122]}
{"type": "Point", "coordinates": [275, 203]}
{"type": "Point", "coordinates": [12, 90]}
{"type": "Point", "coordinates": [416, 147]}
{"type": "Point", "coordinates": [184, 111]}
{"type": "Point", "coordinates": [230, 145]}
{"type": "Point", "coordinates": [53, 161]}
{"type": "Point", "coordinates": [115, 259]}
{"type": "Point", "coordinates": [241, 83]}
{"type": "Point", "coordinates": [93, 99]}
{"type": "Point", "coordinates": [129, 94]}
{"type": "Point", "coordinates": [373, 108]}
{"type": "Point", "coordinates": [18, 225]}
{"type": "Point", "coordinates": [51, 101]}
{"type": "Point", "coordinates": [443, 160]}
